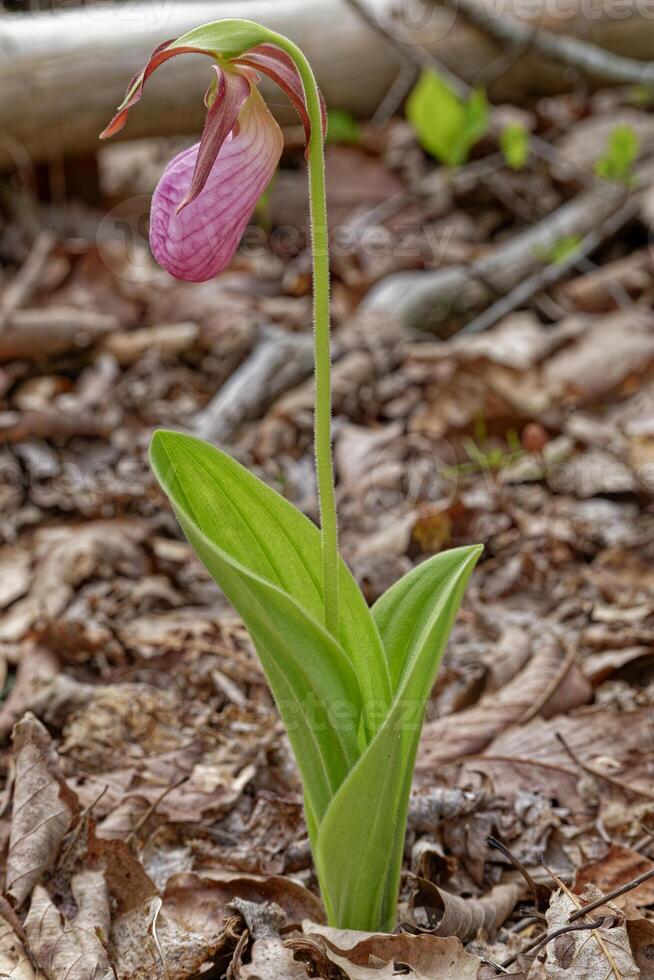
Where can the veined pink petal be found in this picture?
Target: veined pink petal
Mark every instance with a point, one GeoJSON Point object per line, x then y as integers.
{"type": "Point", "coordinates": [280, 67]}
{"type": "Point", "coordinates": [200, 241]}
{"type": "Point", "coordinates": [233, 89]}
{"type": "Point", "coordinates": [135, 87]}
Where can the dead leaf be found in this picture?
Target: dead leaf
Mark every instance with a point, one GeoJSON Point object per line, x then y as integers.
{"type": "Point", "coordinates": [36, 667]}
{"type": "Point", "coordinates": [612, 349]}
{"type": "Point", "coordinates": [197, 901]}
{"type": "Point", "coordinates": [14, 574]}
{"type": "Point", "coordinates": [71, 949]}
{"type": "Point", "coordinates": [269, 958]}
{"type": "Point", "coordinates": [146, 944]}
{"type": "Point", "coordinates": [603, 952]}
{"type": "Point", "coordinates": [548, 673]}
{"type": "Point", "coordinates": [619, 866]}
{"type": "Point", "coordinates": [68, 556]}
{"type": "Point", "coordinates": [14, 961]}
{"type": "Point", "coordinates": [43, 809]}
{"type": "Point", "coordinates": [641, 937]}
{"type": "Point", "coordinates": [366, 956]}
{"type": "Point", "coordinates": [441, 913]}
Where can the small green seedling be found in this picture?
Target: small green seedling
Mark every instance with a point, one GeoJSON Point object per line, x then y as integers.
{"type": "Point", "coordinates": [351, 683]}
{"type": "Point", "coordinates": [447, 126]}
{"type": "Point", "coordinates": [560, 251]}
{"type": "Point", "coordinates": [621, 153]}
{"type": "Point", "coordinates": [514, 144]}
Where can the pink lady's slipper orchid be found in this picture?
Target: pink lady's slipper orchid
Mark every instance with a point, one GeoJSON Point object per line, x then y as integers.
{"type": "Point", "coordinates": [207, 193]}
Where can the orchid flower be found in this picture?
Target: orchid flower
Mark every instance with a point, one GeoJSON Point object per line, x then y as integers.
{"type": "Point", "coordinates": [207, 193]}
{"type": "Point", "coordinates": [351, 683]}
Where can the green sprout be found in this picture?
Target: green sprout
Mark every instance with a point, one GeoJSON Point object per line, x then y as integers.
{"type": "Point", "coordinates": [559, 251]}
{"type": "Point", "coordinates": [514, 144]}
{"type": "Point", "coordinates": [447, 126]}
{"type": "Point", "coordinates": [621, 153]}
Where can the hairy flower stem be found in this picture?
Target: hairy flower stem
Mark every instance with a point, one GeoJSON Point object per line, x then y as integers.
{"type": "Point", "coordinates": [321, 328]}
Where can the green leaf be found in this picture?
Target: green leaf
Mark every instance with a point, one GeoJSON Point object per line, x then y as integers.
{"type": "Point", "coordinates": [514, 144]}
{"type": "Point", "coordinates": [621, 152]}
{"type": "Point", "coordinates": [360, 839]}
{"type": "Point", "coordinates": [309, 673]}
{"type": "Point", "coordinates": [342, 127]}
{"type": "Point", "coordinates": [446, 126]}
{"type": "Point", "coordinates": [560, 251]}
{"type": "Point", "coordinates": [262, 531]}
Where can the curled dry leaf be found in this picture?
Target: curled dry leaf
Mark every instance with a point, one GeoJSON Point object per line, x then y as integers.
{"type": "Point", "coordinates": [549, 673]}
{"type": "Point", "coordinates": [440, 913]}
{"type": "Point", "coordinates": [198, 902]}
{"type": "Point", "coordinates": [43, 809]}
{"type": "Point", "coordinates": [431, 805]}
{"type": "Point", "coordinates": [365, 956]}
{"type": "Point", "coordinates": [269, 958]}
{"type": "Point", "coordinates": [71, 949]}
{"type": "Point", "coordinates": [603, 952]}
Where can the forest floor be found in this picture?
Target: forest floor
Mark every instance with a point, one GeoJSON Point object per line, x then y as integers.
{"type": "Point", "coordinates": [152, 823]}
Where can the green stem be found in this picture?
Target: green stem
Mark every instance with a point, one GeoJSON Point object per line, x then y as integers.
{"type": "Point", "coordinates": [321, 327]}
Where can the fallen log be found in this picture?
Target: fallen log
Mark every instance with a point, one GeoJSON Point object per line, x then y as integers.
{"type": "Point", "coordinates": [443, 300]}
{"type": "Point", "coordinates": [281, 361]}
{"type": "Point", "coordinates": [62, 73]}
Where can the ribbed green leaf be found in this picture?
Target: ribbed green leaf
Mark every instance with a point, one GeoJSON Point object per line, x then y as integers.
{"type": "Point", "coordinates": [360, 839]}
{"type": "Point", "coordinates": [310, 676]}
{"type": "Point", "coordinates": [409, 615]}
{"type": "Point", "coordinates": [264, 532]}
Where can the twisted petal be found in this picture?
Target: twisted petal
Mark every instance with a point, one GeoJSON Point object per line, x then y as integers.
{"type": "Point", "coordinates": [135, 87]}
{"type": "Point", "coordinates": [231, 92]}
{"type": "Point", "coordinates": [199, 242]}
{"type": "Point", "coordinates": [280, 67]}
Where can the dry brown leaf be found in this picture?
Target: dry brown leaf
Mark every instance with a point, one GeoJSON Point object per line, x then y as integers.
{"type": "Point", "coordinates": [14, 961]}
{"type": "Point", "coordinates": [595, 292]}
{"type": "Point", "coordinates": [67, 556]}
{"type": "Point", "coordinates": [126, 879]}
{"type": "Point", "coordinates": [197, 901]}
{"type": "Point", "coordinates": [470, 731]}
{"type": "Point", "coordinates": [269, 958]}
{"type": "Point", "coordinates": [443, 914]}
{"type": "Point", "coordinates": [612, 349]}
{"type": "Point", "coordinates": [619, 866]}
{"type": "Point", "coordinates": [365, 956]}
{"type": "Point", "coordinates": [36, 667]}
{"type": "Point", "coordinates": [146, 944]}
{"type": "Point", "coordinates": [43, 809]}
{"type": "Point", "coordinates": [70, 949]}
{"type": "Point", "coordinates": [615, 742]}
{"type": "Point", "coordinates": [641, 937]}
{"type": "Point", "coordinates": [429, 806]}
{"type": "Point", "coordinates": [144, 935]}
{"type": "Point", "coordinates": [14, 574]}
{"type": "Point", "coordinates": [511, 777]}
{"type": "Point", "coordinates": [584, 955]}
